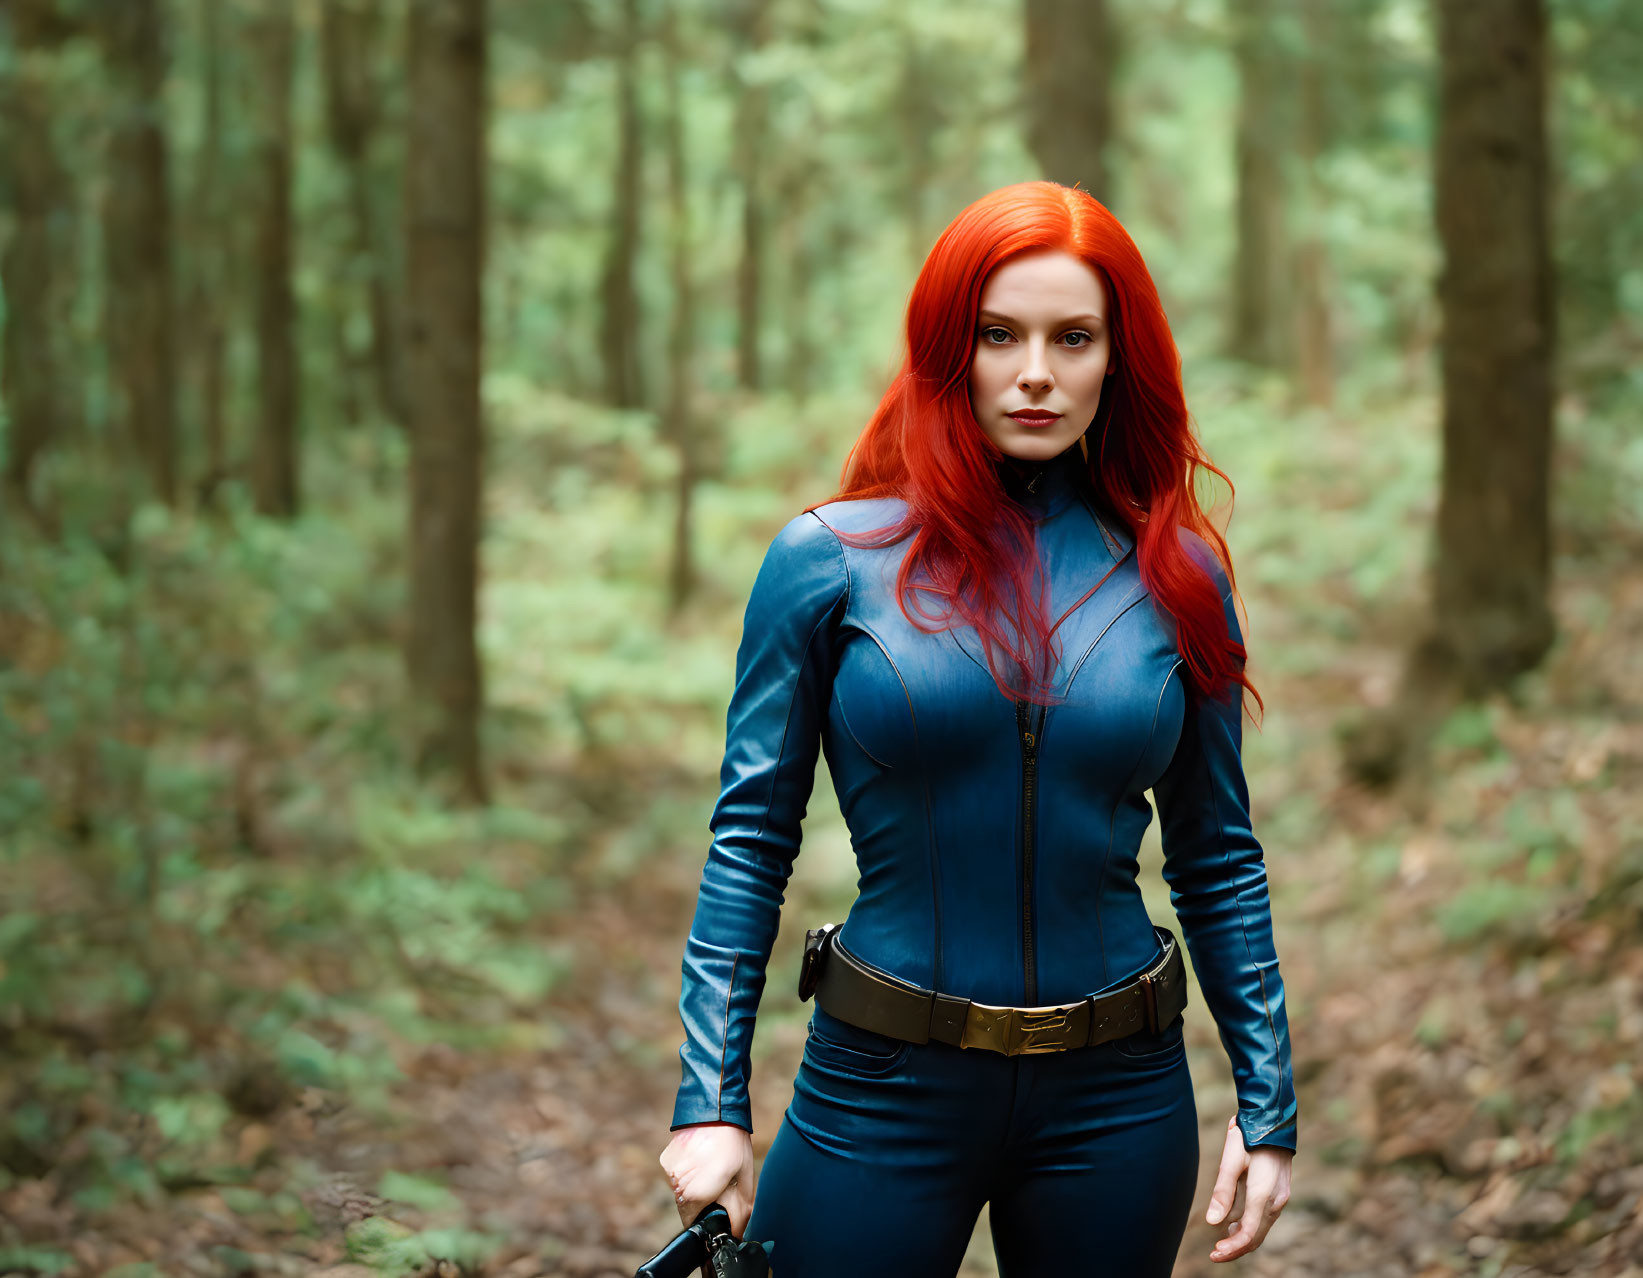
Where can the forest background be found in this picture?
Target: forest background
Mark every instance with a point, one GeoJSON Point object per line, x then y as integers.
{"type": "Point", "coordinates": [398, 398]}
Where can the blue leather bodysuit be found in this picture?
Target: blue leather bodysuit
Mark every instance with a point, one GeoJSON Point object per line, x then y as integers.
{"type": "Point", "coordinates": [996, 840]}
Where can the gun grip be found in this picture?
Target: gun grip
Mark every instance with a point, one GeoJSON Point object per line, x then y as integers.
{"type": "Point", "coordinates": [817, 942]}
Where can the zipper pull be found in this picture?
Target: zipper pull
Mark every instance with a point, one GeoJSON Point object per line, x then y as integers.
{"type": "Point", "coordinates": [1027, 736]}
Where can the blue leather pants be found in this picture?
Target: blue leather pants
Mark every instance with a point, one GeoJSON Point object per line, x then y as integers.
{"type": "Point", "coordinates": [1088, 1158]}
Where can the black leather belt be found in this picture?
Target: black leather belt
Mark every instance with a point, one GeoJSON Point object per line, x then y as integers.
{"type": "Point", "coordinates": [864, 996]}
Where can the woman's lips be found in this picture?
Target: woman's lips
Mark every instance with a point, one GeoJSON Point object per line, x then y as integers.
{"type": "Point", "coordinates": [1035, 419]}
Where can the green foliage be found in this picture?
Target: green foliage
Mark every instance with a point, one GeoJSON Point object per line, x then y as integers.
{"type": "Point", "coordinates": [1492, 906]}
{"type": "Point", "coordinates": [423, 1192]}
{"type": "Point", "coordinates": [204, 783]}
{"type": "Point", "coordinates": [34, 1260]}
{"type": "Point", "coordinates": [1619, 1122]}
{"type": "Point", "coordinates": [1432, 1030]}
{"type": "Point", "coordinates": [1469, 727]}
{"type": "Point", "coordinates": [391, 1248]}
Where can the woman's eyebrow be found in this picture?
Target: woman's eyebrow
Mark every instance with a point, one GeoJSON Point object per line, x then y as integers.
{"type": "Point", "coordinates": [1086, 318]}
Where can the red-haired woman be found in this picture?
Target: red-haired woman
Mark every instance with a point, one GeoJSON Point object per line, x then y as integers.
{"type": "Point", "coordinates": [1012, 621]}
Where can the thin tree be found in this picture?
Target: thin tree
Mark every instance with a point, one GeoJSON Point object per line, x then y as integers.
{"type": "Point", "coordinates": [619, 327]}
{"type": "Point", "coordinates": [1258, 331]}
{"type": "Point", "coordinates": [678, 422]}
{"type": "Point", "coordinates": [916, 106]}
{"type": "Point", "coordinates": [139, 308]}
{"type": "Point", "coordinates": [275, 448]}
{"type": "Point", "coordinates": [206, 314]}
{"type": "Point", "coordinates": [797, 191]}
{"type": "Point", "coordinates": [349, 32]}
{"type": "Point", "coordinates": [1313, 328]}
{"type": "Point", "coordinates": [1072, 56]}
{"type": "Point", "coordinates": [34, 186]}
{"type": "Point", "coordinates": [445, 242]}
{"type": "Point", "coordinates": [751, 30]}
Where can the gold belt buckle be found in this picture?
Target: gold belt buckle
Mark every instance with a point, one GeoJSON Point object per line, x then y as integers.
{"type": "Point", "coordinates": [1016, 1031]}
{"type": "Point", "coordinates": [1036, 1030]}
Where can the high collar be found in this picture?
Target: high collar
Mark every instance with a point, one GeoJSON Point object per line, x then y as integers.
{"type": "Point", "coordinates": [1043, 488]}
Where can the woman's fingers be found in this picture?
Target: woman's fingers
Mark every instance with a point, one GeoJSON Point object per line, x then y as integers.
{"type": "Point", "coordinates": [1267, 1190]}
{"type": "Point", "coordinates": [694, 1186]}
{"type": "Point", "coordinates": [1234, 1158]}
{"type": "Point", "coordinates": [687, 1199]}
{"type": "Point", "coordinates": [1249, 1229]}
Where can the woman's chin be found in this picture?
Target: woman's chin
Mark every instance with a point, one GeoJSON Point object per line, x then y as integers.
{"type": "Point", "coordinates": [1025, 443]}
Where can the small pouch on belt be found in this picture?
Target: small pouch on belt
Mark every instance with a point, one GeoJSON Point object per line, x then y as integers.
{"type": "Point", "coordinates": [817, 942]}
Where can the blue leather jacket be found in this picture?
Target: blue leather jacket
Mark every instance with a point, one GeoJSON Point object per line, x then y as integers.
{"type": "Point", "coordinates": [996, 841]}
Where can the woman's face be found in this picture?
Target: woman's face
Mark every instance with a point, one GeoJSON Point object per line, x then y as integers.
{"type": "Point", "coordinates": [1042, 347]}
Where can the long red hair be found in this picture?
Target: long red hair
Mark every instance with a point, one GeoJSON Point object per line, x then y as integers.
{"type": "Point", "coordinates": [973, 544]}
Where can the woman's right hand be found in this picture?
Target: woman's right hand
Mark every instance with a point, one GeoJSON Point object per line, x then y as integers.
{"type": "Point", "coordinates": [712, 1162]}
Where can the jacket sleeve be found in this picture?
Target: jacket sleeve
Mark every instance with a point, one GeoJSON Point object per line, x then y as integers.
{"type": "Point", "coordinates": [784, 677]}
{"type": "Point", "coordinates": [1218, 885]}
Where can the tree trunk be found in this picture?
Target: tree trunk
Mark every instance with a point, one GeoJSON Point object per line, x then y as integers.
{"type": "Point", "coordinates": [679, 423]}
{"type": "Point", "coordinates": [1313, 329]}
{"type": "Point", "coordinates": [1258, 332]}
{"type": "Point", "coordinates": [798, 256]}
{"type": "Point", "coordinates": [1070, 49]}
{"type": "Point", "coordinates": [445, 220]}
{"type": "Point", "coordinates": [349, 34]}
{"type": "Point", "coordinates": [275, 451]}
{"type": "Point", "coordinates": [1491, 579]}
{"type": "Point", "coordinates": [752, 106]}
{"type": "Point", "coordinates": [919, 117]}
{"type": "Point", "coordinates": [138, 309]}
{"type": "Point", "coordinates": [1493, 558]}
{"type": "Point", "coordinates": [33, 185]}
{"type": "Point", "coordinates": [206, 313]}
{"type": "Point", "coordinates": [619, 338]}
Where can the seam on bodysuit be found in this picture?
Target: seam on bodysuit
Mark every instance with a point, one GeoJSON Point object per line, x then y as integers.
{"type": "Point", "coordinates": [849, 578]}
{"type": "Point", "coordinates": [724, 1043]}
{"type": "Point", "coordinates": [1261, 976]}
{"type": "Point", "coordinates": [804, 660]}
{"type": "Point", "coordinates": [1112, 822]}
{"type": "Point", "coordinates": [1083, 598]}
{"type": "Point", "coordinates": [860, 744]}
{"type": "Point", "coordinates": [929, 815]}
{"type": "Point", "coordinates": [849, 589]}
{"type": "Point", "coordinates": [1114, 547]}
{"type": "Point", "coordinates": [1127, 605]}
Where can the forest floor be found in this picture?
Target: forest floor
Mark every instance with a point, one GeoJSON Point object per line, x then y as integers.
{"type": "Point", "coordinates": [1465, 985]}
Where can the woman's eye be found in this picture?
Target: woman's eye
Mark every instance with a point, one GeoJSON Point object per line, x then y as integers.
{"type": "Point", "coordinates": [1086, 339]}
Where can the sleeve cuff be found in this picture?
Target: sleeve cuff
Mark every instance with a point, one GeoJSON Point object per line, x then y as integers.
{"type": "Point", "coordinates": [1258, 1133]}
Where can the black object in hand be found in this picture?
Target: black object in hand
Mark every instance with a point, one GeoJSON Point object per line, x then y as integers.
{"type": "Point", "coordinates": [708, 1241]}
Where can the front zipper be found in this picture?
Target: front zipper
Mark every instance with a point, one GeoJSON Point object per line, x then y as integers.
{"type": "Point", "coordinates": [1029, 734]}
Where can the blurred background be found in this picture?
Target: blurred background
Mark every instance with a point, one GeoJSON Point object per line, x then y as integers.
{"type": "Point", "coordinates": [398, 399]}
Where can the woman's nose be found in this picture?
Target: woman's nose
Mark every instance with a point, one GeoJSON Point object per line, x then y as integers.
{"type": "Point", "coordinates": [1035, 373]}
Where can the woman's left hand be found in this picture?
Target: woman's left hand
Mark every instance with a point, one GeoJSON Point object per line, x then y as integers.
{"type": "Point", "coordinates": [1265, 1172]}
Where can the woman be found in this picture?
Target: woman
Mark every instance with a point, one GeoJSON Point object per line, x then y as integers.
{"type": "Point", "coordinates": [1006, 627]}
